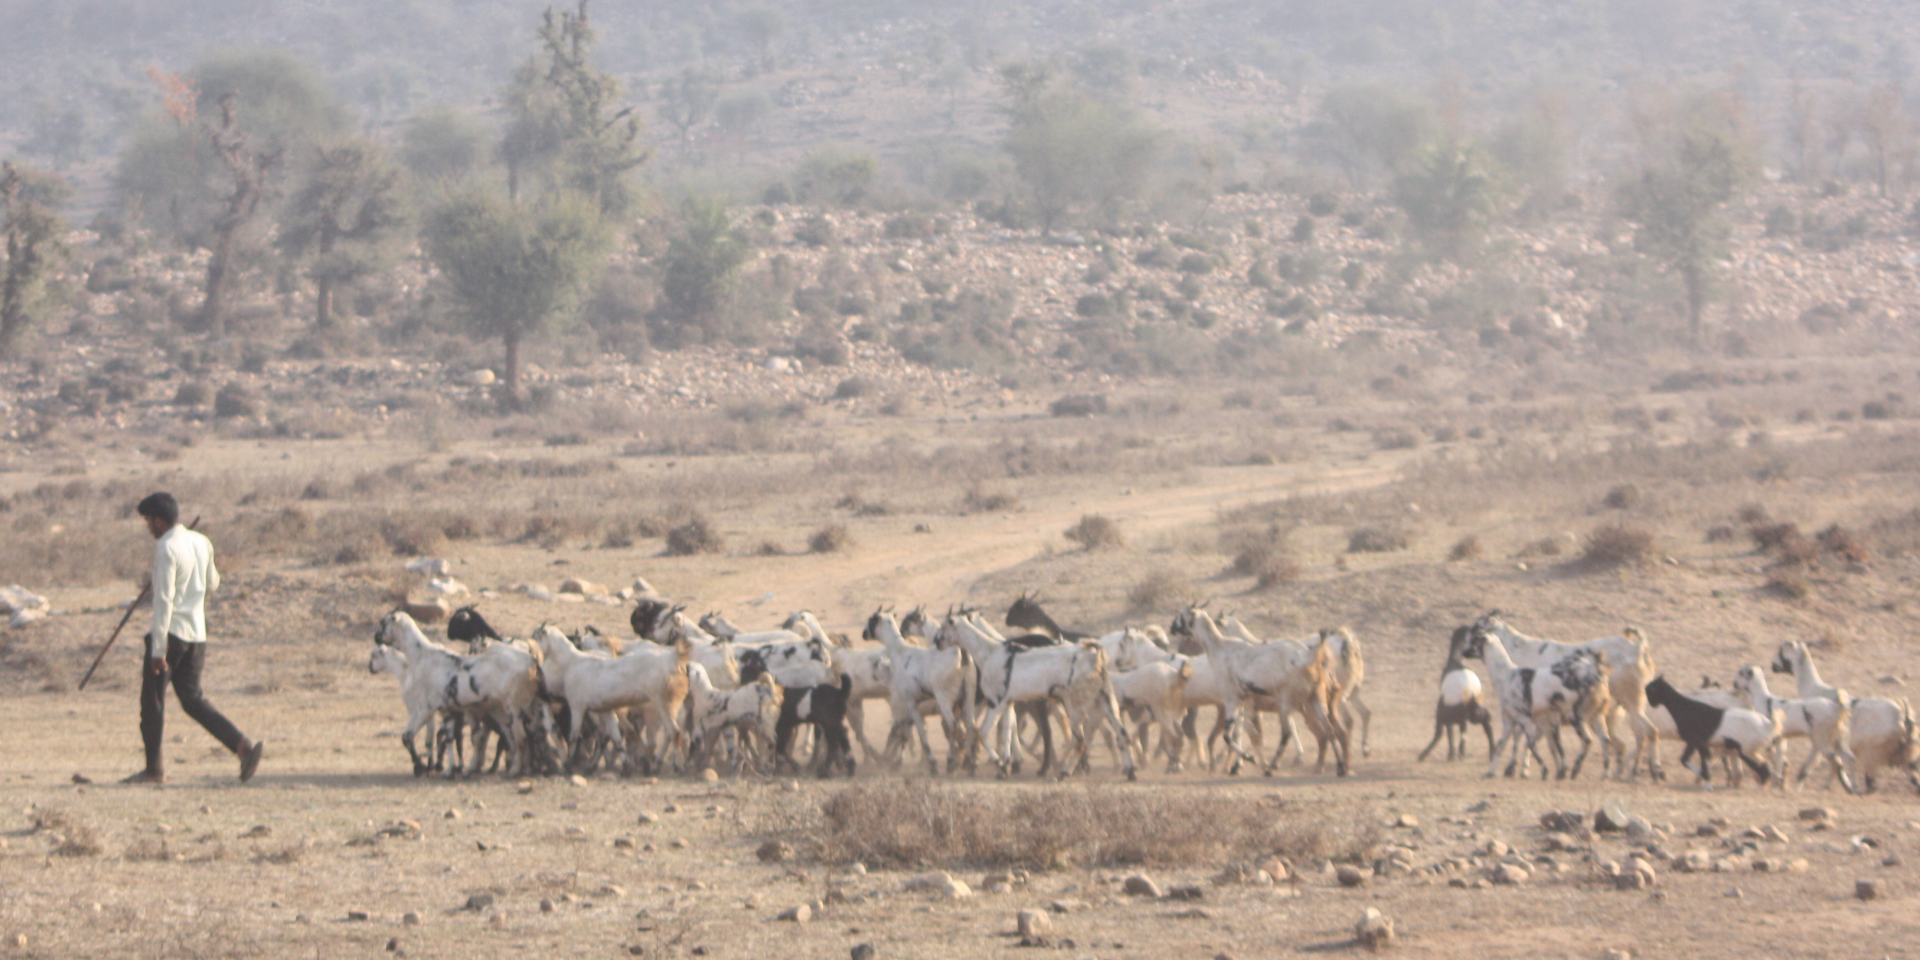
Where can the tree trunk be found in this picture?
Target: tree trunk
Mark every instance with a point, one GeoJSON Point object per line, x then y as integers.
{"type": "Point", "coordinates": [1696, 281]}
{"type": "Point", "coordinates": [213, 309]}
{"type": "Point", "coordinates": [323, 303]}
{"type": "Point", "coordinates": [510, 383]}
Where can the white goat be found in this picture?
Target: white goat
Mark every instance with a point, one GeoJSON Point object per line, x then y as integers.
{"type": "Point", "coordinates": [1883, 731]}
{"type": "Point", "coordinates": [653, 679]}
{"type": "Point", "coordinates": [1159, 691]}
{"type": "Point", "coordinates": [922, 676]}
{"type": "Point", "coordinates": [718, 626]}
{"type": "Point", "coordinates": [749, 712]}
{"type": "Point", "coordinates": [498, 685]}
{"type": "Point", "coordinates": [1285, 671]}
{"type": "Point", "coordinates": [1010, 674]}
{"type": "Point", "coordinates": [1629, 662]}
{"type": "Point", "coordinates": [1822, 722]}
{"type": "Point", "coordinates": [1533, 701]}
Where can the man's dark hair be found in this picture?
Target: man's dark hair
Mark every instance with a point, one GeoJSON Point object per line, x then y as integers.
{"type": "Point", "coordinates": [160, 505]}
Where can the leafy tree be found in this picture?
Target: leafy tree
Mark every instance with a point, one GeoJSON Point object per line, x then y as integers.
{"type": "Point", "coordinates": [515, 268]}
{"type": "Point", "coordinates": [568, 128]}
{"type": "Point", "coordinates": [343, 219]}
{"type": "Point", "coordinates": [687, 101]}
{"type": "Point", "coordinates": [1369, 130]}
{"type": "Point", "coordinates": [441, 143]}
{"type": "Point", "coordinates": [836, 175]}
{"type": "Point", "coordinates": [34, 250]}
{"type": "Point", "coordinates": [1695, 160]}
{"type": "Point", "coordinates": [1073, 151]}
{"type": "Point", "coordinates": [1450, 195]}
{"type": "Point", "coordinates": [700, 266]}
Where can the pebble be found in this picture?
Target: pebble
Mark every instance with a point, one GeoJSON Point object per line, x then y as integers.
{"type": "Point", "coordinates": [1349, 875]}
{"type": "Point", "coordinates": [450, 815]}
{"type": "Point", "coordinates": [1141, 885]}
{"type": "Point", "coordinates": [1033, 923]}
{"type": "Point", "coordinates": [1509, 874]}
{"type": "Point", "coordinates": [1811, 814]}
{"type": "Point", "coordinates": [1892, 860]}
{"type": "Point", "coordinates": [1068, 906]}
{"type": "Point", "coordinates": [797, 914]}
{"type": "Point", "coordinates": [1375, 929]}
{"type": "Point", "coordinates": [1407, 821]}
{"type": "Point", "coordinates": [862, 951]}
{"type": "Point", "coordinates": [1186, 891]}
{"type": "Point", "coordinates": [1618, 955]}
{"type": "Point", "coordinates": [677, 843]}
{"type": "Point", "coordinates": [479, 901]}
{"type": "Point", "coordinates": [524, 787]}
{"type": "Point", "coordinates": [410, 919]}
{"type": "Point", "coordinates": [774, 851]}
{"type": "Point", "coordinates": [1610, 819]}
{"type": "Point", "coordinates": [710, 775]}
{"type": "Point", "coordinates": [670, 808]}
{"type": "Point", "coordinates": [546, 905]}
{"type": "Point", "coordinates": [358, 916]}
{"type": "Point", "coordinates": [1866, 889]}
{"type": "Point", "coordinates": [647, 817]}
{"type": "Point", "coordinates": [1276, 870]}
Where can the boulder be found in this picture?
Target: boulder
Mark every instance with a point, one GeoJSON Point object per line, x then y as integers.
{"type": "Point", "coordinates": [1033, 924]}
{"type": "Point", "coordinates": [1350, 876]}
{"type": "Point", "coordinates": [1375, 929]}
{"type": "Point", "coordinates": [797, 914]}
{"type": "Point", "coordinates": [1141, 885]}
{"type": "Point", "coordinates": [585, 588]}
{"type": "Point", "coordinates": [1610, 819]}
{"type": "Point", "coordinates": [1511, 874]}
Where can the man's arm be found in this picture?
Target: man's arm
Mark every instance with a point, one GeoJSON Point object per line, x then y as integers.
{"type": "Point", "coordinates": [163, 602]}
{"type": "Point", "coordinates": [213, 571]}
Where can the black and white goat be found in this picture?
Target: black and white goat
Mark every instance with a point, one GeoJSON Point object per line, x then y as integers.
{"type": "Point", "coordinates": [1460, 703]}
{"type": "Point", "coordinates": [1744, 733]}
{"type": "Point", "coordinates": [824, 708]}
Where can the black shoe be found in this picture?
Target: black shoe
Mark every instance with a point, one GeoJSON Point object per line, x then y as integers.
{"type": "Point", "coordinates": [250, 759]}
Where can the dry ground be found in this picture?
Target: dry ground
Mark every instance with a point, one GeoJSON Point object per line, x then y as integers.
{"type": "Point", "coordinates": [205, 868]}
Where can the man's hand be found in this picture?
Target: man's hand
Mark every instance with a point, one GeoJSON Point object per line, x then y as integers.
{"type": "Point", "coordinates": [157, 666]}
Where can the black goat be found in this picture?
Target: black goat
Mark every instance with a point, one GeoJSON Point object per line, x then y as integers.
{"type": "Point", "coordinates": [1461, 704]}
{"type": "Point", "coordinates": [824, 707]}
{"type": "Point", "coordinates": [1701, 725]}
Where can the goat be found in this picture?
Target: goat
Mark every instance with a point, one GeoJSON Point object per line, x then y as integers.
{"type": "Point", "coordinates": [1885, 736]}
{"type": "Point", "coordinates": [499, 684]}
{"type": "Point", "coordinates": [1571, 690]}
{"type": "Point", "coordinates": [1460, 703]}
{"type": "Point", "coordinates": [653, 679]}
{"type": "Point", "coordinates": [1629, 661]}
{"type": "Point", "coordinates": [718, 626]}
{"type": "Point", "coordinates": [1158, 690]}
{"type": "Point", "coordinates": [1284, 671]}
{"type": "Point", "coordinates": [1821, 721]}
{"type": "Point", "coordinates": [871, 670]}
{"type": "Point", "coordinates": [1793, 657]}
{"type": "Point", "coordinates": [823, 707]}
{"type": "Point", "coordinates": [1700, 725]}
{"type": "Point", "coordinates": [1011, 674]}
{"type": "Point", "coordinates": [751, 712]}
{"type": "Point", "coordinates": [917, 676]}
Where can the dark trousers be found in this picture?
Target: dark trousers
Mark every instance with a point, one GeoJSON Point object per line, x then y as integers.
{"type": "Point", "coordinates": [184, 662]}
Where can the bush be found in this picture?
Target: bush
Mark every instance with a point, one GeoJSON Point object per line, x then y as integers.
{"type": "Point", "coordinates": [981, 500]}
{"type": "Point", "coordinates": [1617, 545]}
{"type": "Point", "coordinates": [1383, 539]}
{"type": "Point", "coordinates": [1079, 405]}
{"type": "Point", "coordinates": [695, 535]}
{"type": "Point", "coordinates": [1095, 531]}
{"type": "Point", "coordinates": [1467, 548]}
{"type": "Point", "coordinates": [831, 538]}
{"type": "Point", "coordinates": [1267, 563]}
{"type": "Point", "coordinates": [1788, 583]}
{"type": "Point", "coordinates": [235, 400]}
{"type": "Point", "coordinates": [1623, 497]}
{"type": "Point", "coordinates": [1158, 591]}
{"type": "Point", "coordinates": [852, 388]}
{"type": "Point", "coordinates": [193, 393]}
{"type": "Point", "coordinates": [1841, 542]}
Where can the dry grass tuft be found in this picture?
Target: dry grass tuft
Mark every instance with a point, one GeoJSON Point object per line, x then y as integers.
{"type": "Point", "coordinates": [1160, 590]}
{"type": "Point", "coordinates": [149, 850]}
{"type": "Point", "coordinates": [831, 538]}
{"type": "Point", "coordinates": [1788, 583]}
{"type": "Point", "coordinates": [918, 825]}
{"type": "Point", "coordinates": [1466, 548]}
{"type": "Point", "coordinates": [1095, 531]}
{"type": "Point", "coordinates": [863, 507]}
{"type": "Point", "coordinates": [694, 535]}
{"type": "Point", "coordinates": [1842, 543]}
{"type": "Point", "coordinates": [1267, 563]}
{"type": "Point", "coordinates": [1617, 545]}
{"type": "Point", "coordinates": [72, 836]}
{"type": "Point", "coordinates": [1378, 539]}
{"type": "Point", "coordinates": [982, 500]}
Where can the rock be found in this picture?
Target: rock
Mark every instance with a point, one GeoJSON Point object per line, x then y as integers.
{"type": "Point", "coordinates": [20, 941]}
{"type": "Point", "coordinates": [678, 843]}
{"type": "Point", "coordinates": [797, 914]}
{"type": "Point", "coordinates": [1481, 807]}
{"type": "Point", "coordinates": [410, 919]}
{"type": "Point", "coordinates": [863, 951]}
{"type": "Point", "coordinates": [1141, 885]}
{"type": "Point", "coordinates": [1562, 821]}
{"type": "Point", "coordinates": [1695, 861]}
{"type": "Point", "coordinates": [482, 377]}
{"type": "Point", "coordinates": [1774, 834]}
{"type": "Point", "coordinates": [774, 851]}
{"type": "Point", "coordinates": [1618, 955]}
{"type": "Point", "coordinates": [479, 901]}
{"type": "Point", "coordinates": [956, 889]}
{"type": "Point", "coordinates": [584, 588]}
{"type": "Point", "coordinates": [428, 612]}
{"type": "Point", "coordinates": [647, 818]}
{"type": "Point", "coordinates": [1350, 876]}
{"type": "Point", "coordinates": [358, 916]}
{"type": "Point", "coordinates": [710, 775]}
{"type": "Point", "coordinates": [1186, 891]}
{"type": "Point", "coordinates": [670, 808]}
{"type": "Point", "coordinates": [1866, 889]}
{"type": "Point", "coordinates": [1763, 865]}
{"type": "Point", "coordinates": [1068, 906]}
{"type": "Point", "coordinates": [1638, 828]}
{"type": "Point", "coordinates": [1797, 865]}
{"type": "Point", "coordinates": [1496, 849]}
{"type": "Point", "coordinates": [612, 891]}
{"type": "Point", "coordinates": [1033, 923]}
{"type": "Point", "coordinates": [1610, 819]}
{"type": "Point", "coordinates": [1407, 821]}
{"type": "Point", "coordinates": [1375, 929]}
{"type": "Point", "coordinates": [940, 883]}
{"type": "Point", "coordinates": [1891, 860]}
{"type": "Point", "coordinates": [1706, 830]}
{"type": "Point", "coordinates": [1508, 873]}
{"type": "Point", "coordinates": [1276, 870]}
{"type": "Point", "coordinates": [1812, 814]}
{"type": "Point", "coordinates": [546, 905]}
{"type": "Point", "coordinates": [523, 788]}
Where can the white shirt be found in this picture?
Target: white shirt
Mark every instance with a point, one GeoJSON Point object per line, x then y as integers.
{"type": "Point", "coordinates": [183, 575]}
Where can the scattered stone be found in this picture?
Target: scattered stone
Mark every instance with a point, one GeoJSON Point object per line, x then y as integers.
{"type": "Point", "coordinates": [1774, 834]}
{"type": "Point", "coordinates": [797, 914]}
{"type": "Point", "coordinates": [1618, 955]}
{"type": "Point", "coordinates": [1866, 889]}
{"type": "Point", "coordinates": [1276, 870]}
{"type": "Point", "coordinates": [670, 808]}
{"type": "Point", "coordinates": [677, 843]}
{"type": "Point", "coordinates": [393, 944]}
{"type": "Point", "coordinates": [20, 941]}
{"type": "Point", "coordinates": [636, 949]}
{"type": "Point", "coordinates": [1375, 929]}
{"type": "Point", "coordinates": [479, 901]}
{"type": "Point", "coordinates": [1610, 819]}
{"type": "Point", "coordinates": [546, 905]}
{"type": "Point", "coordinates": [1638, 828]}
{"type": "Point", "coordinates": [1481, 807]}
{"type": "Point", "coordinates": [1797, 865]}
{"type": "Point", "coordinates": [358, 916]}
{"type": "Point", "coordinates": [410, 919]}
{"type": "Point", "coordinates": [524, 787]}
{"type": "Point", "coordinates": [1349, 875]}
{"type": "Point", "coordinates": [1736, 893]}
{"type": "Point", "coordinates": [1891, 860]}
{"type": "Point", "coordinates": [774, 851]}
{"type": "Point", "coordinates": [1033, 923]}
{"type": "Point", "coordinates": [1706, 830]}
{"type": "Point", "coordinates": [863, 951]}
{"type": "Point", "coordinates": [1508, 873]}
{"type": "Point", "coordinates": [710, 775]}
{"type": "Point", "coordinates": [1811, 814]}
{"type": "Point", "coordinates": [1141, 885]}
{"type": "Point", "coordinates": [647, 818]}
{"type": "Point", "coordinates": [1068, 906]}
{"type": "Point", "coordinates": [1407, 821]}
{"type": "Point", "coordinates": [1186, 891]}
{"type": "Point", "coordinates": [1496, 849]}
{"type": "Point", "coordinates": [1695, 861]}
{"type": "Point", "coordinates": [1562, 821]}
{"type": "Point", "coordinates": [611, 891]}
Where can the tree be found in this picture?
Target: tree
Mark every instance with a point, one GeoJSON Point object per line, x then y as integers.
{"type": "Point", "coordinates": [568, 127]}
{"type": "Point", "coordinates": [1072, 150]}
{"type": "Point", "coordinates": [514, 268]}
{"type": "Point", "coordinates": [34, 250]}
{"type": "Point", "coordinates": [343, 219]}
{"type": "Point", "coordinates": [687, 100]}
{"type": "Point", "coordinates": [1695, 160]}
{"type": "Point", "coordinates": [441, 143]}
{"type": "Point", "coordinates": [1369, 130]}
{"type": "Point", "coordinates": [1450, 196]}
{"type": "Point", "coordinates": [700, 266]}
{"type": "Point", "coordinates": [1887, 134]}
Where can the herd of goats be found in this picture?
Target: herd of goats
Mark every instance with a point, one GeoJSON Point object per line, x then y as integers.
{"type": "Point", "coordinates": [695, 695]}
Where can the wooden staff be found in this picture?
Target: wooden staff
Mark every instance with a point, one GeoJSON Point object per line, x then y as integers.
{"type": "Point", "coordinates": [144, 592]}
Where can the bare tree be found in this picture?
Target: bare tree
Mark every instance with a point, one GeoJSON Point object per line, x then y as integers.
{"type": "Point", "coordinates": [342, 219]}
{"type": "Point", "coordinates": [247, 169]}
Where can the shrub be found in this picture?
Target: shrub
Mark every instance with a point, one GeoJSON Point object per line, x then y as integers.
{"type": "Point", "coordinates": [831, 538]}
{"type": "Point", "coordinates": [862, 507]}
{"type": "Point", "coordinates": [1841, 542]}
{"type": "Point", "coordinates": [694, 535]}
{"type": "Point", "coordinates": [1395, 438]}
{"type": "Point", "coordinates": [1158, 591]}
{"type": "Point", "coordinates": [852, 388]}
{"type": "Point", "coordinates": [1095, 531]}
{"type": "Point", "coordinates": [235, 400]}
{"type": "Point", "coordinates": [1466, 548]}
{"type": "Point", "coordinates": [981, 500]}
{"type": "Point", "coordinates": [1267, 563]}
{"type": "Point", "coordinates": [1774, 537]}
{"type": "Point", "coordinates": [1788, 583]}
{"type": "Point", "coordinates": [1381, 539]}
{"type": "Point", "coordinates": [1722, 533]}
{"type": "Point", "coordinates": [1623, 497]}
{"type": "Point", "coordinates": [1079, 405]}
{"type": "Point", "coordinates": [1616, 545]}
{"type": "Point", "coordinates": [193, 393]}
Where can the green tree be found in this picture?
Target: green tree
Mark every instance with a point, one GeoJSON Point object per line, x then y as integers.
{"type": "Point", "coordinates": [34, 250]}
{"type": "Point", "coordinates": [1073, 151]}
{"type": "Point", "coordinates": [700, 266]}
{"type": "Point", "coordinates": [687, 100]}
{"type": "Point", "coordinates": [514, 268]}
{"type": "Point", "coordinates": [442, 143]}
{"type": "Point", "coordinates": [568, 129]}
{"type": "Point", "coordinates": [1450, 196]}
{"type": "Point", "coordinates": [343, 219]}
{"type": "Point", "coordinates": [1695, 160]}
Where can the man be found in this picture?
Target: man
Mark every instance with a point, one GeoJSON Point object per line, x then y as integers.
{"type": "Point", "coordinates": [183, 575]}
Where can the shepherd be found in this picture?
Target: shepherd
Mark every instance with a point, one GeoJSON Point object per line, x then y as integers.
{"type": "Point", "coordinates": [183, 575]}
